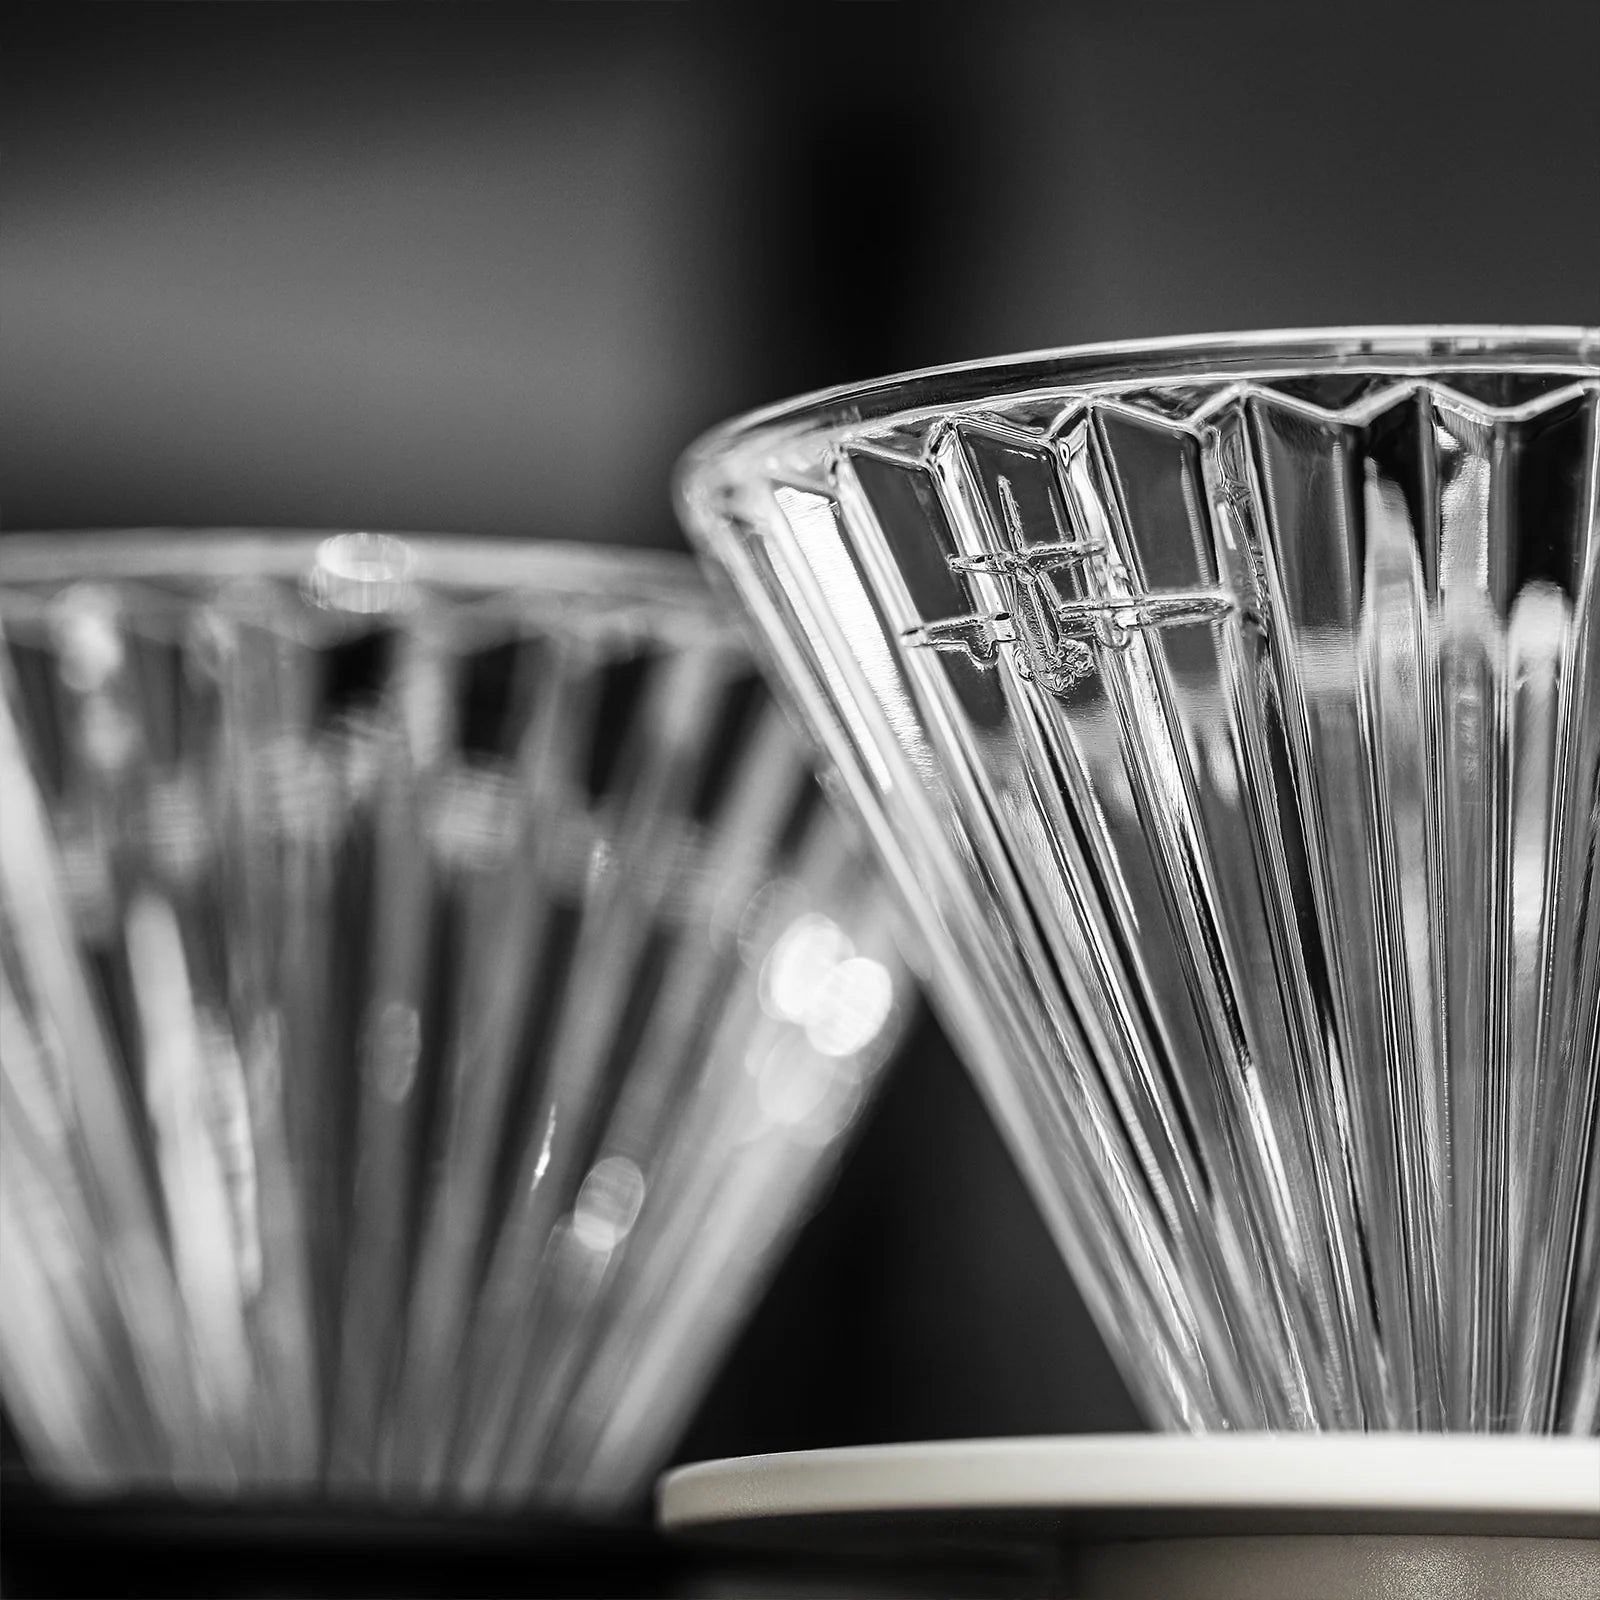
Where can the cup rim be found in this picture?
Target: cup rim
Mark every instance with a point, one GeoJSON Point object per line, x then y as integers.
{"type": "Point", "coordinates": [200, 556]}
{"type": "Point", "coordinates": [1380, 349]}
{"type": "Point", "coordinates": [298, 578]}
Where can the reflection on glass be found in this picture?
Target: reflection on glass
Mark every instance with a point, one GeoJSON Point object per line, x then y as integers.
{"type": "Point", "coordinates": [430, 994]}
{"type": "Point", "coordinates": [1239, 751]}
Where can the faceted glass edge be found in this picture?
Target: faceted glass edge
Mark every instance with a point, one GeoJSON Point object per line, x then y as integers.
{"type": "Point", "coordinates": [831, 416]}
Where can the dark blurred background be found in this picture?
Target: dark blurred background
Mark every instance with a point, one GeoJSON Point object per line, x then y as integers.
{"type": "Point", "coordinates": [487, 269]}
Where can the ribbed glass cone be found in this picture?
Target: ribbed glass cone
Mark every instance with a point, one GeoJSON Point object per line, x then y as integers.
{"type": "Point", "coordinates": [431, 994]}
{"type": "Point", "coordinates": [1229, 712]}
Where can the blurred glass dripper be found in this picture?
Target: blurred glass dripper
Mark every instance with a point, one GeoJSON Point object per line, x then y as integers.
{"type": "Point", "coordinates": [432, 993]}
{"type": "Point", "coordinates": [1229, 712]}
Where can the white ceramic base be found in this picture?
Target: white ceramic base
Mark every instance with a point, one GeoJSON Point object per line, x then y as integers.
{"type": "Point", "coordinates": [1237, 1515]}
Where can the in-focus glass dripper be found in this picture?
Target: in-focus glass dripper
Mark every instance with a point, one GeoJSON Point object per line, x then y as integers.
{"type": "Point", "coordinates": [1229, 712]}
{"type": "Point", "coordinates": [432, 991]}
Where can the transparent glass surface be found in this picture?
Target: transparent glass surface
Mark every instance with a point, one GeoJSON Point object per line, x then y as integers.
{"type": "Point", "coordinates": [432, 991]}
{"type": "Point", "coordinates": [1228, 712]}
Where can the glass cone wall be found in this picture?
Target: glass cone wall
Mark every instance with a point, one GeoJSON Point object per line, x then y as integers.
{"type": "Point", "coordinates": [1229, 712]}
{"type": "Point", "coordinates": [431, 994]}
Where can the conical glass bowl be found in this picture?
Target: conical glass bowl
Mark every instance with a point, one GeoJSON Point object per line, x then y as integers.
{"type": "Point", "coordinates": [1228, 710]}
{"type": "Point", "coordinates": [432, 992]}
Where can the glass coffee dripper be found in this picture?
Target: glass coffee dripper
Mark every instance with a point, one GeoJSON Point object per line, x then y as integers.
{"type": "Point", "coordinates": [1228, 712]}
{"type": "Point", "coordinates": [433, 991]}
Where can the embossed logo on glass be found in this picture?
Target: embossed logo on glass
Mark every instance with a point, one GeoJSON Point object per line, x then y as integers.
{"type": "Point", "coordinates": [1052, 638]}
